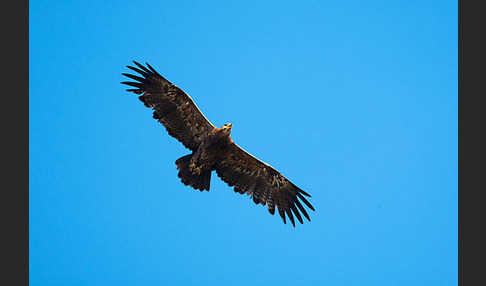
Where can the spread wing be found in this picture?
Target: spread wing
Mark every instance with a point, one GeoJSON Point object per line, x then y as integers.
{"type": "Point", "coordinates": [265, 184]}
{"type": "Point", "coordinates": [172, 106]}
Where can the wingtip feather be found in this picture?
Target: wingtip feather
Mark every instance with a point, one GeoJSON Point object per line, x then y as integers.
{"type": "Point", "coordinates": [142, 67]}
{"type": "Point", "coordinates": [291, 217]}
{"type": "Point", "coordinates": [302, 209]}
{"type": "Point", "coordinates": [306, 202]}
{"type": "Point", "coordinates": [134, 84]}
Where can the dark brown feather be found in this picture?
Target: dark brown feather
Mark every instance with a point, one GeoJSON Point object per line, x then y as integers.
{"type": "Point", "coordinates": [145, 74]}
{"type": "Point", "coordinates": [172, 107]}
{"type": "Point", "coordinates": [134, 84]}
{"type": "Point", "coordinates": [142, 67]}
{"type": "Point", "coordinates": [266, 185]}
{"type": "Point", "coordinates": [134, 77]}
{"type": "Point", "coordinates": [296, 212]}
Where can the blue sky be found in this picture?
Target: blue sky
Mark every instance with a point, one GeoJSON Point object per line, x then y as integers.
{"type": "Point", "coordinates": [354, 101]}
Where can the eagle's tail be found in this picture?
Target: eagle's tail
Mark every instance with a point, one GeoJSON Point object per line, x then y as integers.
{"type": "Point", "coordinates": [198, 182]}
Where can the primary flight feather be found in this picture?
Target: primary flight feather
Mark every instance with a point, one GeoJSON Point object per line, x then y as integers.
{"type": "Point", "coordinates": [213, 149]}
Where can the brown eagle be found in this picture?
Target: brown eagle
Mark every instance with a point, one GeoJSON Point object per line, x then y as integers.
{"type": "Point", "coordinates": [213, 149]}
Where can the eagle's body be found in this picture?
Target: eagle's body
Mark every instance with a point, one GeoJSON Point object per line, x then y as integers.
{"type": "Point", "coordinates": [195, 169]}
{"type": "Point", "coordinates": [213, 150]}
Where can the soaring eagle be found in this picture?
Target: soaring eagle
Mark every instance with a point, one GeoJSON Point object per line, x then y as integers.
{"type": "Point", "coordinates": [213, 149]}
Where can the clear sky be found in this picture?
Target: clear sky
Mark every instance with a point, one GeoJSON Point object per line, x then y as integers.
{"type": "Point", "coordinates": [353, 101]}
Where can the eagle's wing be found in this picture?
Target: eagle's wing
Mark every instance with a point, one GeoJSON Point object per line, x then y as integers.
{"type": "Point", "coordinates": [172, 106]}
{"type": "Point", "coordinates": [265, 184]}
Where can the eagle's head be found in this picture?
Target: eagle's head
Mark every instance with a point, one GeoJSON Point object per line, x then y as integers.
{"type": "Point", "coordinates": [226, 129]}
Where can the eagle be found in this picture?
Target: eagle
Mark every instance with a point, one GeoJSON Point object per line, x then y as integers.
{"type": "Point", "coordinates": [212, 148]}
